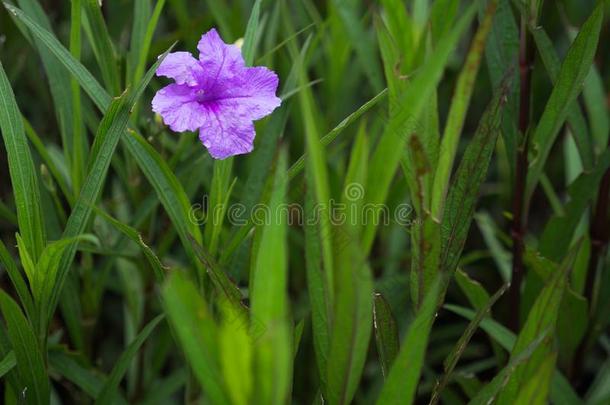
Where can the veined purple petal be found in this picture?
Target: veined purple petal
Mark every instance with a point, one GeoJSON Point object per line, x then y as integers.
{"type": "Point", "coordinates": [250, 95]}
{"type": "Point", "coordinates": [225, 134]}
{"type": "Point", "coordinates": [218, 60]}
{"type": "Point", "coordinates": [182, 67]}
{"type": "Point", "coordinates": [178, 105]}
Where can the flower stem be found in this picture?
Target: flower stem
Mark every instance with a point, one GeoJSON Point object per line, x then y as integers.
{"type": "Point", "coordinates": [519, 223]}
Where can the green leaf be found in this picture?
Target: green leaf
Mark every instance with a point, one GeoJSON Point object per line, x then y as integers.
{"type": "Point", "coordinates": [158, 268]}
{"type": "Point", "coordinates": [58, 79]}
{"type": "Point", "coordinates": [362, 42]}
{"type": "Point", "coordinates": [501, 256]}
{"type": "Point", "coordinates": [318, 180]}
{"type": "Point", "coordinates": [109, 390]}
{"type": "Point", "coordinates": [144, 45]}
{"type": "Point", "coordinates": [327, 139]}
{"type": "Point", "coordinates": [228, 290]}
{"type": "Point", "coordinates": [21, 169]}
{"type": "Point", "coordinates": [46, 275]}
{"type": "Point", "coordinates": [558, 233]}
{"type": "Point", "coordinates": [86, 79]}
{"type": "Point", "coordinates": [321, 308]}
{"type": "Point", "coordinates": [351, 319]}
{"type": "Point", "coordinates": [7, 363]}
{"type": "Point", "coordinates": [102, 45]}
{"type": "Point", "coordinates": [401, 384]}
{"type": "Point", "coordinates": [168, 188]}
{"type": "Point", "coordinates": [269, 297]}
{"type": "Point", "coordinates": [489, 392]}
{"type": "Point", "coordinates": [17, 279]}
{"type": "Point", "coordinates": [90, 380]}
{"type": "Point", "coordinates": [472, 171]}
{"type": "Point", "coordinates": [454, 356]}
{"type": "Point", "coordinates": [501, 52]}
{"type": "Point", "coordinates": [561, 391]}
{"type": "Point", "coordinates": [248, 48]}
{"type": "Point", "coordinates": [220, 192]}
{"type": "Point", "coordinates": [542, 317]}
{"type": "Point", "coordinates": [457, 111]}
{"type": "Point", "coordinates": [536, 390]}
{"type": "Point", "coordinates": [30, 362]}
{"type": "Point", "coordinates": [112, 127]}
{"type": "Point", "coordinates": [196, 332]}
{"type": "Point", "coordinates": [236, 365]}
{"type": "Point", "coordinates": [403, 120]}
{"type": "Point", "coordinates": [599, 118]}
{"type": "Point", "coordinates": [386, 333]}
{"type": "Point", "coordinates": [572, 74]}
{"type": "Point", "coordinates": [575, 116]}
{"type": "Point", "coordinates": [142, 11]}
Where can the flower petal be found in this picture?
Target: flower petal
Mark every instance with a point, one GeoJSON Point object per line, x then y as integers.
{"type": "Point", "coordinates": [226, 135]}
{"type": "Point", "coordinates": [177, 104]}
{"type": "Point", "coordinates": [182, 67]}
{"type": "Point", "coordinates": [218, 59]}
{"type": "Point", "coordinates": [250, 95]}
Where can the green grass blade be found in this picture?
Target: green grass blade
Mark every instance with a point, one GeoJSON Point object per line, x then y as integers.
{"type": "Point", "coordinates": [352, 320]}
{"type": "Point", "coordinates": [299, 164]}
{"type": "Point", "coordinates": [409, 106]}
{"type": "Point", "coordinates": [489, 393]}
{"type": "Point", "coordinates": [158, 268]}
{"type": "Point", "coordinates": [142, 11]}
{"type": "Point", "coordinates": [463, 194]}
{"type": "Point", "coordinates": [558, 232]}
{"type": "Point", "coordinates": [25, 297]}
{"type": "Point", "coordinates": [501, 53]}
{"type": "Point", "coordinates": [457, 112]}
{"type": "Point", "coordinates": [542, 317]}
{"type": "Point", "coordinates": [321, 310]}
{"type": "Point", "coordinates": [454, 356]}
{"type": "Point", "coordinates": [269, 284]}
{"type": "Point", "coordinates": [353, 306]}
{"type": "Point", "coordinates": [30, 361]}
{"type": "Point", "coordinates": [59, 80]}
{"type": "Point", "coordinates": [196, 332]}
{"type": "Point", "coordinates": [248, 49]}
{"type": "Point", "coordinates": [401, 384]}
{"type": "Point", "coordinates": [561, 391]}
{"type": "Point", "coordinates": [143, 47]}
{"type": "Point", "coordinates": [169, 190]}
{"type": "Point", "coordinates": [318, 180]}
{"type": "Point", "coordinates": [574, 115]}
{"type": "Point", "coordinates": [46, 276]}
{"type": "Point", "coordinates": [112, 127]}
{"type": "Point", "coordinates": [84, 77]}
{"type": "Point", "coordinates": [361, 40]}
{"type": "Point", "coordinates": [386, 333]}
{"type": "Point", "coordinates": [102, 43]}
{"type": "Point", "coordinates": [22, 171]}
{"type": "Point", "coordinates": [7, 363]}
{"type": "Point", "coordinates": [572, 74]}
{"type": "Point", "coordinates": [536, 390]}
{"type": "Point", "coordinates": [599, 117]}
{"type": "Point", "coordinates": [78, 157]}
{"type": "Point", "coordinates": [108, 392]}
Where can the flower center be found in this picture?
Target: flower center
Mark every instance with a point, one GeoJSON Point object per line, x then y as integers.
{"type": "Point", "coordinates": [200, 94]}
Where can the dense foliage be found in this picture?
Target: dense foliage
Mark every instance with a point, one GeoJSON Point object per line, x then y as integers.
{"type": "Point", "coordinates": [424, 219]}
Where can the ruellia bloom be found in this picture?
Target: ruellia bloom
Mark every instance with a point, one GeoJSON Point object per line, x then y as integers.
{"type": "Point", "coordinates": [217, 94]}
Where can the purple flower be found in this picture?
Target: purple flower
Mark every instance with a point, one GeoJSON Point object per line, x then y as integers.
{"type": "Point", "coordinates": [217, 95]}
